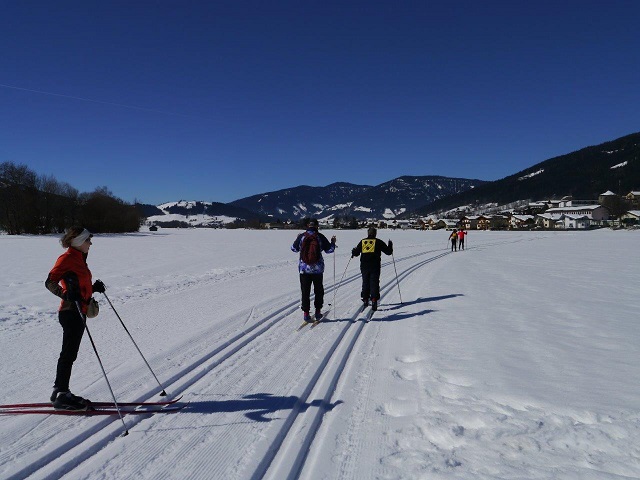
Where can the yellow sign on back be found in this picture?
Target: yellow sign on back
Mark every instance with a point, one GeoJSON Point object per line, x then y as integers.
{"type": "Point", "coordinates": [368, 245]}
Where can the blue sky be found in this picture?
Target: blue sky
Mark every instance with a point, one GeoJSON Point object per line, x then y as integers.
{"type": "Point", "coordinates": [218, 100]}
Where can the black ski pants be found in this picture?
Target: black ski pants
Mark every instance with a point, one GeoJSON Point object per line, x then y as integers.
{"type": "Point", "coordinates": [72, 331]}
{"type": "Point", "coordinates": [370, 282]}
{"type": "Point", "coordinates": [306, 280]}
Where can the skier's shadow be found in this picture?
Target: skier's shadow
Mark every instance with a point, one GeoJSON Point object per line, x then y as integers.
{"type": "Point", "coordinates": [394, 317]}
{"type": "Point", "coordinates": [396, 306]}
{"type": "Point", "coordinates": [257, 406]}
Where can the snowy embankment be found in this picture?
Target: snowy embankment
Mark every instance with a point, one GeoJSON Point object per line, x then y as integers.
{"type": "Point", "coordinates": [516, 358]}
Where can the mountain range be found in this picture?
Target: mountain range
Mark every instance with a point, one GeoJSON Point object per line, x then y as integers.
{"type": "Point", "coordinates": [584, 174]}
{"type": "Point", "coordinates": [387, 200]}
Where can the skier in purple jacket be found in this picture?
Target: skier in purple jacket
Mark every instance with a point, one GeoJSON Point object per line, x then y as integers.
{"type": "Point", "coordinates": [311, 244]}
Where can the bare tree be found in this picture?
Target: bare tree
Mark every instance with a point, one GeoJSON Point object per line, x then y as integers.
{"type": "Point", "coordinates": [18, 199]}
{"type": "Point", "coordinates": [40, 204]}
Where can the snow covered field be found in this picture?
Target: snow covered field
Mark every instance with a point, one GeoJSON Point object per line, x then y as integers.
{"type": "Point", "coordinates": [515, 359]}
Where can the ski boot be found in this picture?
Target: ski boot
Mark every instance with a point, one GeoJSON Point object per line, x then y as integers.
{"type": "Point", "coordinates": [69, 401]}
{"type": "Point", "coordinates": [365, 304]}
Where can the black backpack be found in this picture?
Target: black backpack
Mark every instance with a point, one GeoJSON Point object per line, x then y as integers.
{"type": "Point", "coordinates": [310, 248]}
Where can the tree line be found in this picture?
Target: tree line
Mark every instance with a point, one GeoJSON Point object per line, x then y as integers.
{"type": "Point", "coordinates": [40, 204]}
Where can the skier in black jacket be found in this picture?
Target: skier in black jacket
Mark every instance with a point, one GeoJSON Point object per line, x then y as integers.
{"type": "Point", "coordinates": [371, 249]}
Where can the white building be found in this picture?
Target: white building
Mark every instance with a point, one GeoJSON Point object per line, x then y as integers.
{"type": "Point", "coordinates": [519, 221]}
{"type": "Point", "coordinates": [570, 222]}
{"type": "Point", "coordinates": [631, 215]}
{"type": "Point", "coordinates": [592, 212]}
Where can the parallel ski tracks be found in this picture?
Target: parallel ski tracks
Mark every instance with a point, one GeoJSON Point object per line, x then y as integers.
{"type": "Point", "coordinates": [66, 457]}
{"type": "Point", "coordinates": [288, 453]}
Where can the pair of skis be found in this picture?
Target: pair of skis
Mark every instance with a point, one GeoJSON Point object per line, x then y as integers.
{"type": "Point", "coordinates": [96, 408]}
{"type": "Point", "coordinates": [318, 321]}
{"type": "Point", "coordinates": [304, 324]}
{"type": "Point", "coordinates": [370, 314]}
{"type": "Point", "coordinates": [313, 323]}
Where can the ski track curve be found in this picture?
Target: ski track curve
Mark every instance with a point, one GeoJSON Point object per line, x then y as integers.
{"type": "Point", "coordinates": [277, 446]}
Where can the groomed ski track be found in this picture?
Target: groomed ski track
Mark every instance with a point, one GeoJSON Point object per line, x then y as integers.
{"type": "Point", "coordinates": [264, 423]}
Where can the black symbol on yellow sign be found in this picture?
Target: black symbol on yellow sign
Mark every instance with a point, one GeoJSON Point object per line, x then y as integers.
{"type": "Point", "coordinates": [368, 246]}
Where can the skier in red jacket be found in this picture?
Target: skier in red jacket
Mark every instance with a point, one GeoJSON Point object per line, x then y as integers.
{"type": "Point", "coordinates": [461, 235]}
{"type": "Point", "coordinates": [70, 279]}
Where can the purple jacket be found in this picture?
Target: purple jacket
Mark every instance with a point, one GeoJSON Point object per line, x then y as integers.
{"type": "Point", "coordinates": [325, 245]}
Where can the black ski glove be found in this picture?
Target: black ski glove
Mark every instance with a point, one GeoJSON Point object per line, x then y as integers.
{"type": "Point", "coordinates": [98, 287]}
{"type": "Point", "coordinates": [73, 288]}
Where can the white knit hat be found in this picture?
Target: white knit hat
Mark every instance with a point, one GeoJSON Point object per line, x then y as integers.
{"type": "Point", "coordinates": [80, 239]}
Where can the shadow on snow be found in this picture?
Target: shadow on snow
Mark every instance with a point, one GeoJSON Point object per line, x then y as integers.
{"type": "Point", "coordinates": [394, 317]}
{"type": "Point", "coordinates": [396, 306]}
{"type": "Point", "coordinates": [257, 406]}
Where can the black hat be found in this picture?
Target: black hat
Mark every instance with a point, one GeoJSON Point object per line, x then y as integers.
{"type": "Point", "coordinates": [312, 222]}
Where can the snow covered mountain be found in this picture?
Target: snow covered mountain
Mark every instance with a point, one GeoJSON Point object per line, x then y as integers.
{"type": "Point", "coordinates": [195, 213]}
{"type": "Point", "coordinates": [583, 174]}
{"type": "Point", "coordinates": [388, 200]}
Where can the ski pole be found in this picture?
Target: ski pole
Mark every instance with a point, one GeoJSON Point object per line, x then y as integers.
{"type": "Point", "coordinates": [86, 327]}
{"type": "Point", "coordinates": [335, 292]}
{"type": "Point", "coordinates": [397, 282]}
{"type": "Point", "coordinates": [334, 271]}
{"type": "Point", "coordinates": [136, 345]}
{"type": "Point", "coordinates": [334, 282]}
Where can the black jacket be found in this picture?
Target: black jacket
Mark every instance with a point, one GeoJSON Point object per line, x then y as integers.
{"type": "Point", "coordinates": [371, 250]}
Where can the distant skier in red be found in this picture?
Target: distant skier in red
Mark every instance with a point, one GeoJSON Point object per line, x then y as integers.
{"type": "Point", "coordinates": [461, 235]}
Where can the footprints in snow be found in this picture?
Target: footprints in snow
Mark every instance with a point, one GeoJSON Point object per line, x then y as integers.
{"type": "Point", "coordinates": [425, 435]}
{"type": "Point", "coordinates": [443, 421]}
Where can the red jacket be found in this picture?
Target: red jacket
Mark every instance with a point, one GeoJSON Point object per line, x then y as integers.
{"type": "Point", "coordinates": [461, 234]}
{"type": "Point", "coordinates": [71, 261]}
